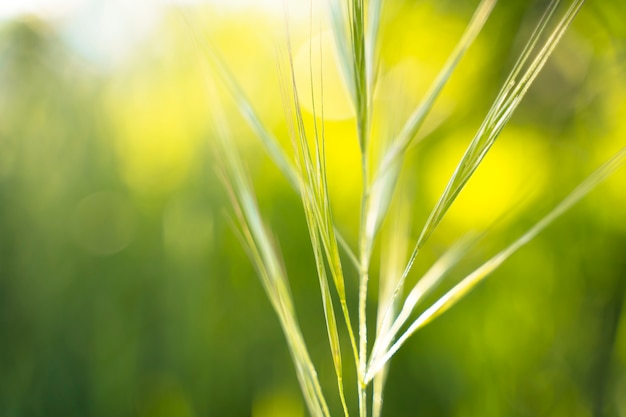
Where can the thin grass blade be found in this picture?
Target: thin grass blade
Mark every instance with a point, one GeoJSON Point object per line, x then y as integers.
{"type": "Point", "coordinates": [392, 259]}
{"type": "Point", "coordinates": [431, 279]}
{"type": "Point", "coordinates": [384, 183]}
{"type": "Point", "coordinates": [262, 251]}
{"type": "Point", "coordinates": [271, 272]}
{"type": "Point", "coordinates": [329, 311]}
{"type": "Point", "coordinates": [356, 23]}
{"type": "Point", "coordinates": [374, 15]}
{"type": "Point", "coordinates": [312, 174]}
{"type": "Point", "coordinates": [314, 195]}
{"type": "Point", "coordinates": [470, 281]}
{"type": "Point", "coordinates": [418, 116]}
{"type": "Point", "coordinates": [500, 113]}
{"type": "Point", "coordinates": [246, 109]}
{"type": "Point", "coordinates": [342, 44]}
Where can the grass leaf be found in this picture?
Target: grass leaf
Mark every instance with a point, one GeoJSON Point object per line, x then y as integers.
{"type": "Point", "coordinates": [431, 279]}
{"type": "Point", "coordinates": [268, 140]}
{"type": "Point", "coordinates": [315, 200]}
{"type": "Point", "coordinates": [342, 44]}
{"type": "Point", "coordinates": [415, 121]}
{"type": "Point", "coordinates": [471, 280]}
{"type": "Point", "coordinates": [374, 15]}
{"type": "Point", "coordinates": [383, 186]}
{"type": "Point", "coordinates": [356, 17]}
{"type": "Point", "coordinates": [271, 144]}
{"type": "Point", "coordinates": [392, 259]}
{"type": "Point", "coordinates": [509, 98]}
{"type": "Point", "coordinates": [270, 270]}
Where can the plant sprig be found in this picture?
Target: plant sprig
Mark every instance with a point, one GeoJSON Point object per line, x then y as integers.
{"type": "Point", "coordinates": [356, 25]}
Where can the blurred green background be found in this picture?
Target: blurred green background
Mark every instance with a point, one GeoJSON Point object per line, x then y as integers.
{"type": "Point", "coordinates": [125, 292]}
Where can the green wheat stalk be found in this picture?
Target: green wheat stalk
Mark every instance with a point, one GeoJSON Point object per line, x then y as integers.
{"type": "Point", "coordinates": [355, 25]}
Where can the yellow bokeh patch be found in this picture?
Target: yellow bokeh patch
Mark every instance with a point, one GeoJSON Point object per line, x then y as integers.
{"type": "Point", "coordinates": [159, 122]}
{"type": "Point", "coordinates": [612, 194]}
{"type": "Point", "coordinates": [343, 163]}
{"type": "Point", "coordinates": [316, 65]}
{"type": "Point", "coordinates": [278, 403]}
{"type": "Point", "coordinates": [513, 174]}
{"type": "Point", "coordinates": [410, 49]}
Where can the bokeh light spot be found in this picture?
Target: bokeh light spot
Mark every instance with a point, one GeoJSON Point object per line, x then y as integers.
{"type": "Point", "coordinates": [103, 223]}
{"type": "Point", "coordinates": [164, 397]}
{"type": "Point", "coordinates": [512, 175]}
{"type": "Point", "coordinates": [278, 403]}
{"type": "Point", "coordinates": [187, 229]}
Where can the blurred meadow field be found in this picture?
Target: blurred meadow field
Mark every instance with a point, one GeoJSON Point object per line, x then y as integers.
{"type": "Point", "coordinates": [124, 290]}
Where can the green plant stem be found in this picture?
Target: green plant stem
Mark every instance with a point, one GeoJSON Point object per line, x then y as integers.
{"type": "Point", "coordinates": [363, 109]}
{"type": "Point", "coordinates": [362, 104]}
{"type": "Point", "coordinates": [364, 255]}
